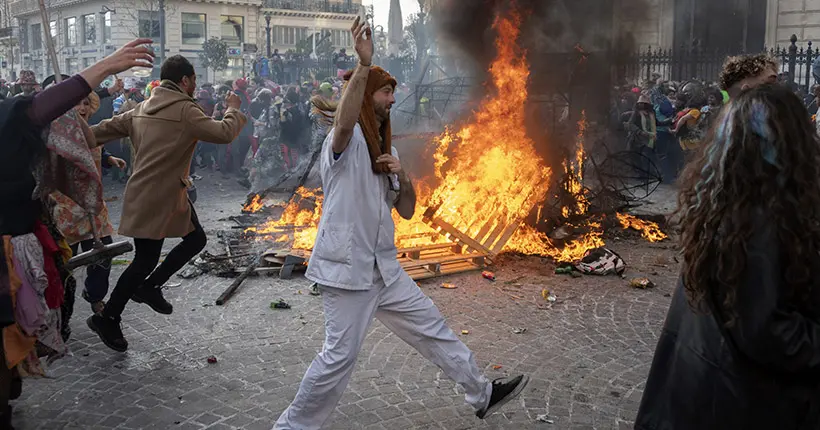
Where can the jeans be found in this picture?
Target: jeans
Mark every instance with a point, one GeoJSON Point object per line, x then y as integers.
{"type": "Point", "coordinates": [96, 280]}
{"type": "Point", "coordinates": [670, 156]}
{"type": "Point", "coordinates": [239, 149]}
{"type": "Point", "coordinates": [142, 272]}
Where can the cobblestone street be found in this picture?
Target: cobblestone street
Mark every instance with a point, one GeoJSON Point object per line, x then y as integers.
{"type": "Point", "coordinates": [588, 353]}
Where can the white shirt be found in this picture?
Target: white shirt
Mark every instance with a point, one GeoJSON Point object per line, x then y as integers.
{"type": "Point", "coordinates": [356, 231]}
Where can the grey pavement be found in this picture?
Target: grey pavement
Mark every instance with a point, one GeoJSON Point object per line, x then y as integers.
{"type": "Point", "coordinates": [588, 353]}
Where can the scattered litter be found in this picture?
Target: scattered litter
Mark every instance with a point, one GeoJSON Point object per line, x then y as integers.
{"type": "Point", "coordinates": [575, 274]}
{"type": "Point", "coordinates": [519, 330]}
{"type": "Point", "coordinates": [448, 286]}
{"type": "Point", "coordinates": [566, 270]}
{"type": "Point", "coordinates": [490, 276]}
{"type": "Point", "coordinates": [299, 292]}
{"type": "Point", "coordinates": [465, 332]}
{"type": "Point", "coordinates": [497, 366]}
{"type": "Point", "coordinates": [190, 272]}
{"type": "Point", "coordinates": [172, 285]}
{"type": "Point", "coordinates": [548, 296]}
{"type": "Point", "coordinates": [314, 290]}
{"type": "Point", "coordinates": [112, 199]}
{"type": "Point", "coordinates": [212, 360]}
{"type": "Point", "coordinates": [120, 262]}
{"type": "Point", "coordinates": [642, 283]}
{"type": "Point", "coordinates": [281, 304]}
{"type": "Point", "coordinates": [601, 261]}
{"type": "Point", "coordinates": [544, 419]}
{"type": "Point", "coordinates": [196, 177]}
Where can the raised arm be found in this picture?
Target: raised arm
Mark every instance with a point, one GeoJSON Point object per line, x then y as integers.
{"type": "Point", "coordinates": [52, 103]}
{"type": "Point", "coordinates": [222, 132]}
{"type": "Point", "coordinates": [351, 104]}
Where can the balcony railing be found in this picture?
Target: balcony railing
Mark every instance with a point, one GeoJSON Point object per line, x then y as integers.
{"type": "Point", "coordinates": [346, 6]}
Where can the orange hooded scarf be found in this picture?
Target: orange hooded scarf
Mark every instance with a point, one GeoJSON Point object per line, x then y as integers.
{"type": "Point", "coordinates": [378, 138]}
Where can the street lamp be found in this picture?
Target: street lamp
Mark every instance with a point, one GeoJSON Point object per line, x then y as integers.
{"type": "Point", "coordinates": [267, 31]}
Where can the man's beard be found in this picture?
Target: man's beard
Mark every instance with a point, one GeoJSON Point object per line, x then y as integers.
{"type": "Point", "coordinates": [382, 113]}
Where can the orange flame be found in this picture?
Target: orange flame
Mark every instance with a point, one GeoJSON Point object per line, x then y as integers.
{"type": "Point", "coordinates": [255, 205]}
{"type": "Point", "coordinates": [299, 222]}
{"type": "Point", "coordinates": [649, 230]}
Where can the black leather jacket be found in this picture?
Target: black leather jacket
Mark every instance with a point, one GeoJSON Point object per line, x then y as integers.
{"type": "Point", "coordinates": [763, 372]}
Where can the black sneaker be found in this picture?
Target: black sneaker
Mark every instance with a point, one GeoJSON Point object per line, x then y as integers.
{"type": "Point", "coordinates": [503, 392]}
{"type": "Point", "coordinates": [109, 330]}
{"type": "Point", "coordinates": [152, 296]}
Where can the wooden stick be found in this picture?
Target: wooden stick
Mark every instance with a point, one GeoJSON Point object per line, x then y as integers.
{"type": "Point", "coordinates": [237, 282]}
{"type": "Point", "coordinates": [52, 52]}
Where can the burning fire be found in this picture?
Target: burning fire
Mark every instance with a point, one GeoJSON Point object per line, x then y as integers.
{"type": "Point", "coordinates": [649, 230]}
{"type": "Point", "coordinates": [494, 176]}
{"type": "Point", "coordinates": [299, 222]}
{"type": "Point", "coordinates": [255, 205]}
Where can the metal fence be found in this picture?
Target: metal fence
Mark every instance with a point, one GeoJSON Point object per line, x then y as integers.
{"type": "Point", "coordinates": [700, 64]}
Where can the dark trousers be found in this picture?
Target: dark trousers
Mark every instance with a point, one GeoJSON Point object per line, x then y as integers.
{"type": "Point", "coordinates": [239, 149]}
{"type": "Point", "coordinates": [96, 280]}
{"type": "Point", "coordinates": [142, 270]}
{"type": "Point", "coordinates": [670, 156]}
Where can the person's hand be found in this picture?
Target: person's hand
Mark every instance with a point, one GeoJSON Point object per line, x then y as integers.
{"type": "Point", "coordinates": [363, 41]}
{"type": "Point", "coordinates": [117, 87]}
{"type": "Point", "coordinates": [133, 54]}
{"type": "Point", "coordinates": [392, 162]}
{"type": "Point", "coordinates": [233, 101]}
{"type": "Point", "coordinates": [117, 162]}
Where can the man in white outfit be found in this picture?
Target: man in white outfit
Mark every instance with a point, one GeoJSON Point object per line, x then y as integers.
{"type": "Point", "coordinates": [354, 258]}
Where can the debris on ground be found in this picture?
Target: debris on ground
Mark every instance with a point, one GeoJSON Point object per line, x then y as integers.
{"type": "Point", "coordinates": [548, 296]}
{"type": "Point", "coordinates": [120, 262]}
{"type": "Point", "coordinates": [314, 290]}
{"type": "Point", "coordinates": [448, 286]}
{"type": "Point", "coordinates": [212, 360]}
{"type": "Point", "coordinates": [112, 199]}
{"type": "Point", "coordinates": [565, 270]}
{"type": "Point", "coordinates": [172, 285]}
{"type": "Point", "coordinates": [465, 332]}
{"type": "Point", "coordinates": [642, 283]}
{"type": "Point", "coordinates": [190, 272]}
{"type": "Point", "coordinates": [519, 330]}
{"type": "Point", "coordinates": [490, 276]}
{"type": "Point", "coordinates": [544, 419]}
{"type": "Point", "coordinates": [601, 261]}
{"type": "Point", "coordinates": [281, 304]}
{"type": "Point", "coordinates": [497, 366]}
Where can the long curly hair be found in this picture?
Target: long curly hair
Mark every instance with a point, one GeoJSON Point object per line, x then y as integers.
{"type": "Point", "coordinates": [761, 156]}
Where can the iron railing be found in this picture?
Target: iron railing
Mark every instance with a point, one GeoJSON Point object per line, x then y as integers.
{"type": "Point", "coordinates": [345, 6]}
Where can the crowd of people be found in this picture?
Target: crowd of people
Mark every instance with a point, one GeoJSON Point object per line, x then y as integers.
{"type": "Point", "coordinates": [668, 120]}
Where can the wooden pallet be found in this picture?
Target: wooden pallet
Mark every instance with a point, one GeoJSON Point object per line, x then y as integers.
{"type": "Point", "coordinates": [489, 241]}
{"type": "Point", "coordinates": [421, 262]}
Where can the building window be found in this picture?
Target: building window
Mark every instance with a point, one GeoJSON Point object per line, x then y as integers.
{"type": "Point", "coordinates": [107, 27]}
{"type": "Point", "coordinates": [89, 29]}
{"type": "Point", "coordinates": [193, 29]}
{"type": "Point", "coordinates": [36, 36]}
{"type": "Point", "coordinates": [341, 38]}
{"type": "Point", "coordinates": [71, 66]}
{"type": "Point", "coordinates": [149, 24]}
{"type": "Point", "coordinates": [71, 31]}
{"type": "Point", "coordinates": [233, 31]}
{"type": "Point", "coordinates": [236, 68]}
{"type": "Point", "coordinates": [289, 35]}
{"type": "Point", "coordinates": [88, 62]}
{"type": "Point", "coordinates": [52, 28]}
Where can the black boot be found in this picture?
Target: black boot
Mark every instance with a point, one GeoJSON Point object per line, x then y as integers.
{"type": "Point", "coordinates": [504, 390]}
{"type": "Point", "coordinates": [109, 330]}
{"type": "Point", "coordinates": [152, 296]}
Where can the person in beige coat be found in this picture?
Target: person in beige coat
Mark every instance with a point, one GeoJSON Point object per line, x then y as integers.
{"type": "Point", "coordinates": [164, 130]}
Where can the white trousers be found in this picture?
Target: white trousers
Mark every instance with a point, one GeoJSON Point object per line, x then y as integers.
{"type": "Point", "coordinates": [409, 314]}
